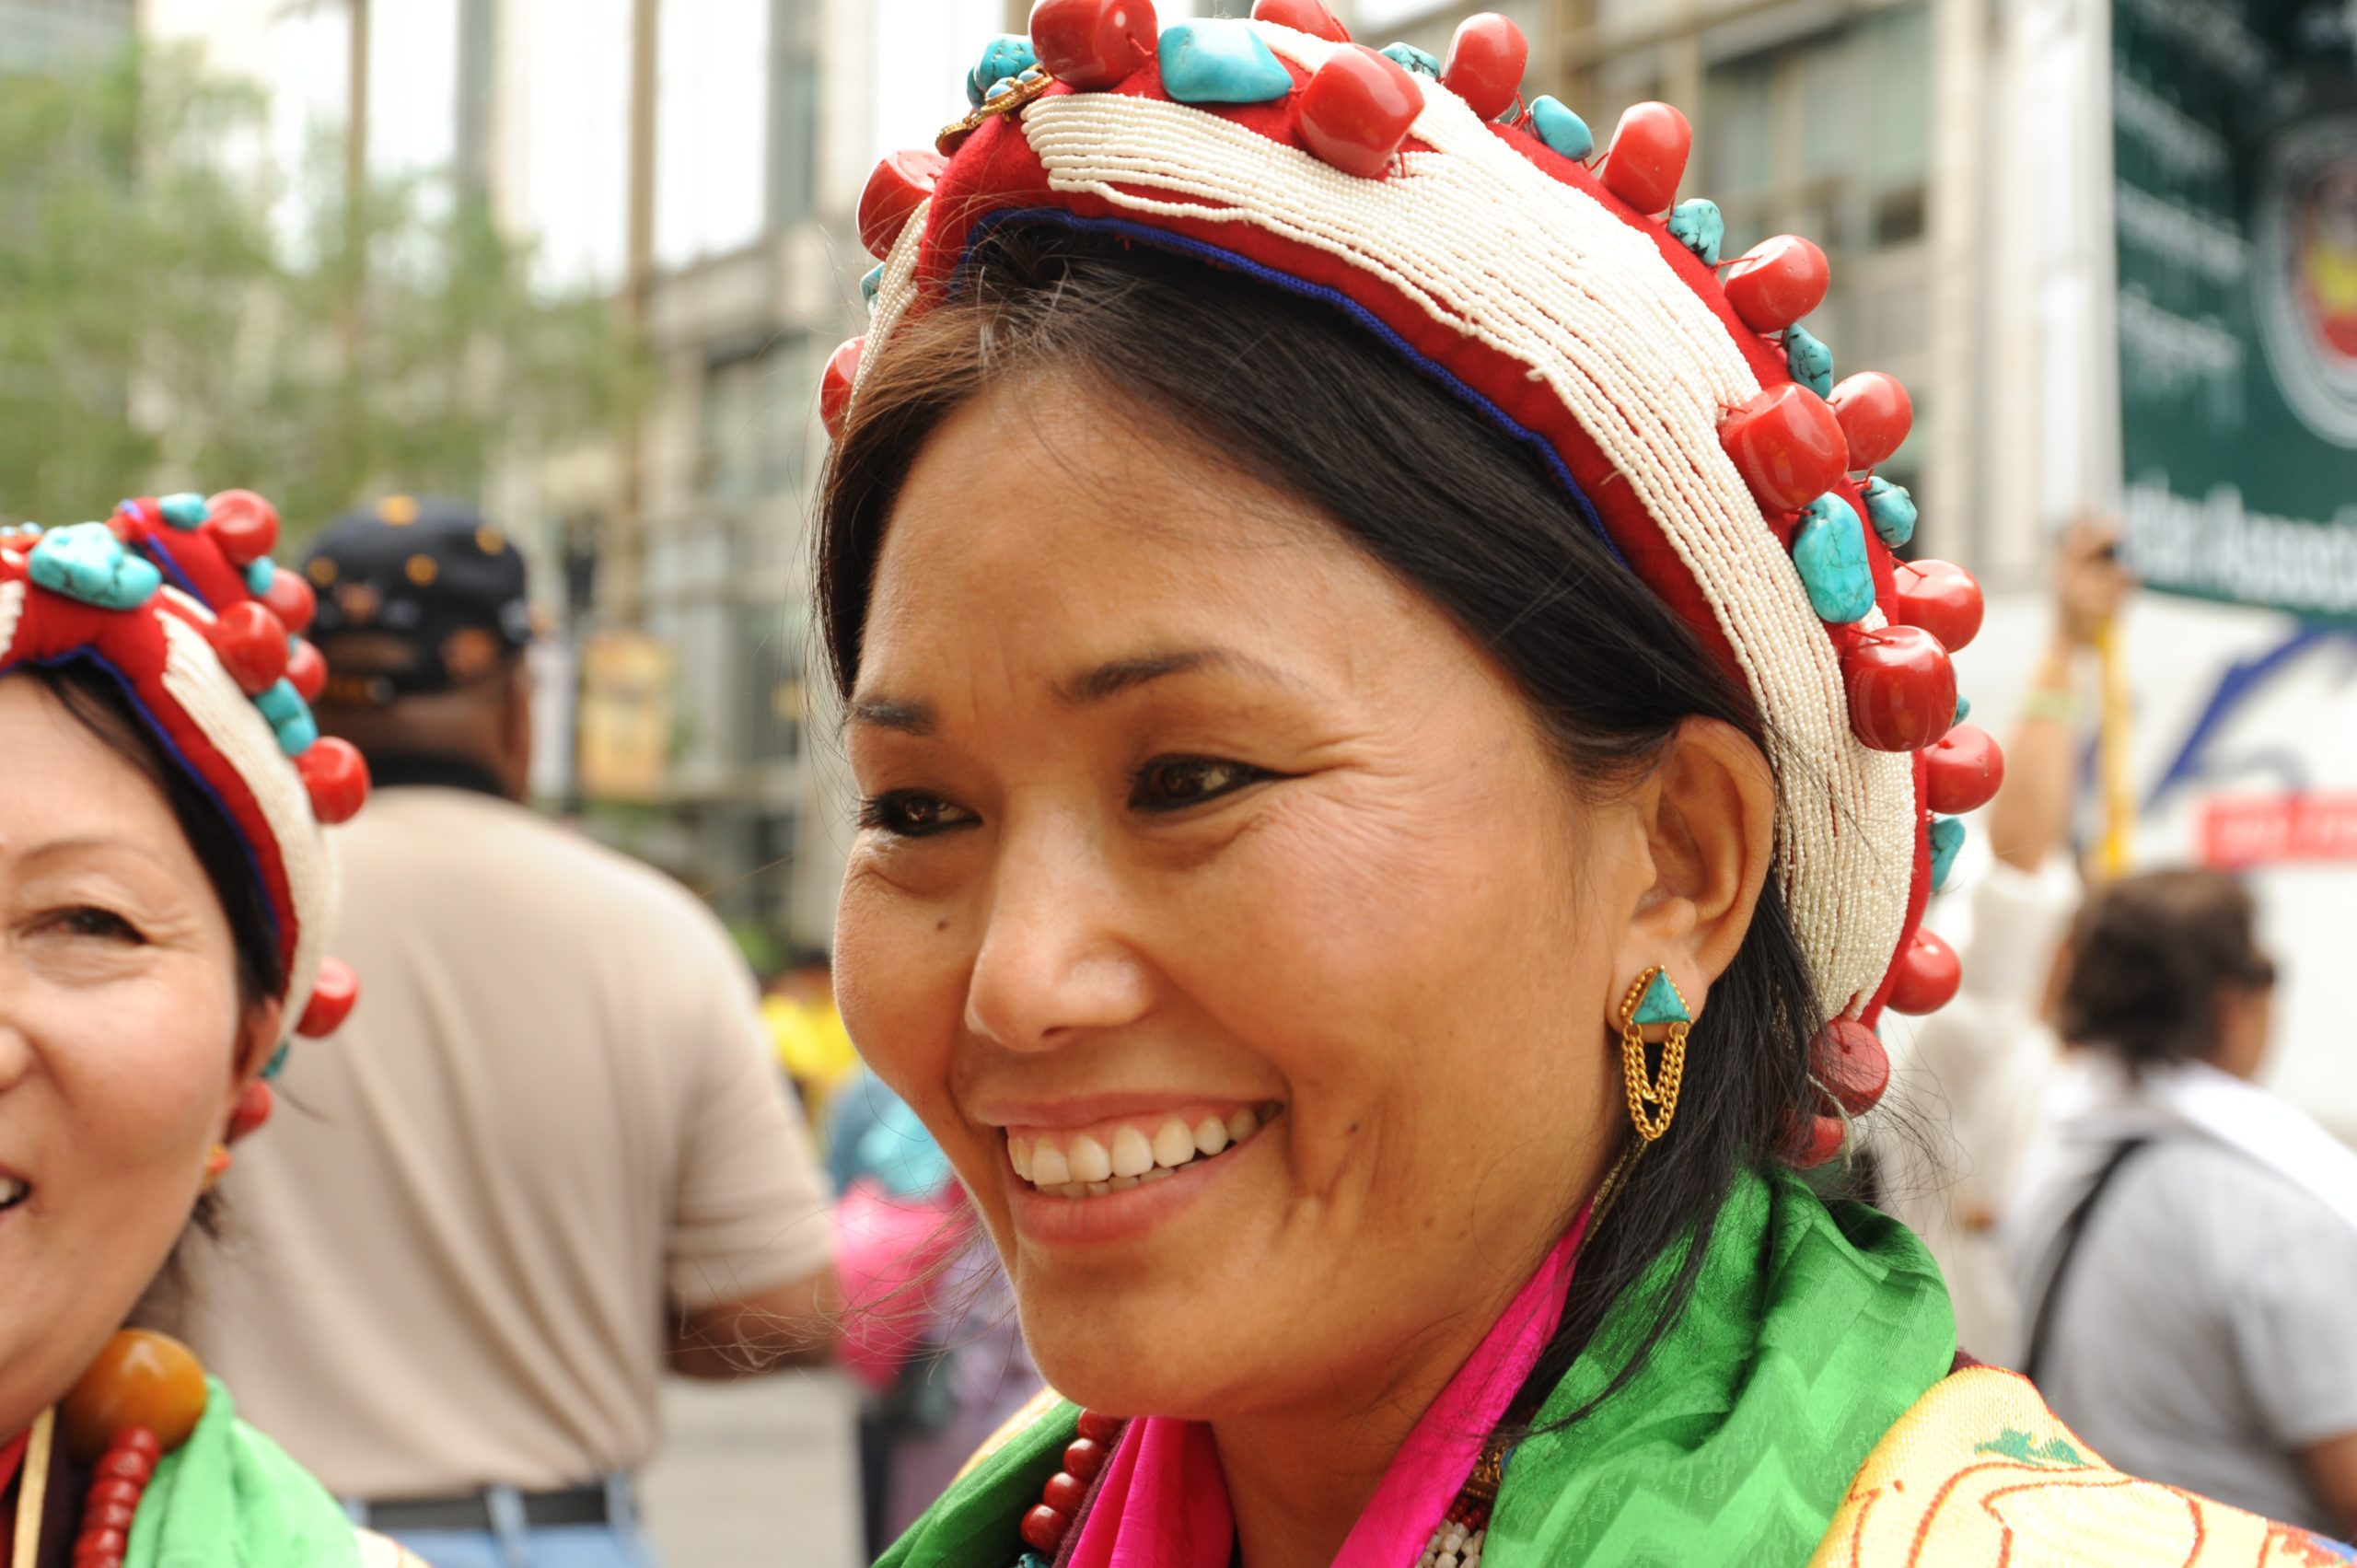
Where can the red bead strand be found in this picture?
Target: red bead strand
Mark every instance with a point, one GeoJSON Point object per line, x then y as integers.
{"type": "Point", "coordinates": [124, 1470]}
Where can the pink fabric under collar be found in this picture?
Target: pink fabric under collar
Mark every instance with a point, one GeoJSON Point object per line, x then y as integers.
{"type": "Point", "coordinates": [1163, 1502]}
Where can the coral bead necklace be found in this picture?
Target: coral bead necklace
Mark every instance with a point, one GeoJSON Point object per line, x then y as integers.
{"type": "Point", "coordinates": [139, 1400]}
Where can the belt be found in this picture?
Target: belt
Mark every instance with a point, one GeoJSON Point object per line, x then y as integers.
{"type": "Point", "coordinates": [472, 1510]}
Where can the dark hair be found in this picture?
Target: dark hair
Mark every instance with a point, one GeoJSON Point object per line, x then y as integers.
{"type": "Point", "coordinates": [91, 694]}
{"type": "Point", "coordinates": [2148, 958]}
{"type": "Point", "coordinates": [1299, 397]}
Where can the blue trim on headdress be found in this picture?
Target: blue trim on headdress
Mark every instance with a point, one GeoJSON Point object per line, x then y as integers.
{"type": "Point", "coordinates": [153, 547]}
{"type": "Point", "coordinates": [173, 755]}
{"type": "Point", "coordinates": [1146, 234]}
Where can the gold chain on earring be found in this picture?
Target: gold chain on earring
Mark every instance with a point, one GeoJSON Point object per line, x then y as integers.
{"type": "Point", "coordinates": [1653, 1101]}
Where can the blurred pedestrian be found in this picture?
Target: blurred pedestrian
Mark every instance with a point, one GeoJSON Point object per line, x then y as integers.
{"type": "Point", "coordinates": [1967, 1080]}
{"type": "Point", "coordinates": [555, 1153]}
{"type": "Point", "coordinates": [2185, 1241]}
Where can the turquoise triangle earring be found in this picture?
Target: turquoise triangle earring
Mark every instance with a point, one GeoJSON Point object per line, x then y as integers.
{"type": "Point", "coordinates": [1653, 998]}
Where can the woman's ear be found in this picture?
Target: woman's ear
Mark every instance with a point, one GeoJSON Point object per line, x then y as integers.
{"type": "Point", "coordinates": [1708, 814]}
{"type": "Point", "coordinates": [261, 1031]}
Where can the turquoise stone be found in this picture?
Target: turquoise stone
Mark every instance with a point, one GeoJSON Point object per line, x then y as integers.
{"type": "Point", "coordinates": [1829, 548]}
{"type": "Point", "coordinates": [277, 1062]}
{"type": "Point", "coordinates": [183, 511]}
{"type": "Point", "coordinates": [87, 562]}
{"type": "Point", "coordinates": [1963, 711]}
{"type": "Point", "coordinates": [1891, 510]}
{"type": "Point", "coordinates": [998, 90]}
{"type": "Point", "coordinates": [259, 571]}
{"type": "Point", "coordinates": [1220, 62]}
{"type": "Point", "coordinates": [1009, 54]}
{"type": "Point", "coordinates": [1408, 57]}
{"type": "Point", "coordinates": [1660, 1003]}
{"type": "Point", "coordinates": [1562, 130]}
{"type": "Point", "coordinates": [1808, 360]}
{"type": "Point", "coordinates": [1947, 837]}
{"type": "Point", "coordinates": [298, 734]}
{"type": "Point", "coordinates": [869, 284]}
{"type": "Point", "coordinates": [1698, 225]}
{"type": "Point", "coordinates": [280, 703]}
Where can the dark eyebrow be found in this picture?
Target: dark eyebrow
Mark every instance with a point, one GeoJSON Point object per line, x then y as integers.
{"type": "Point", "coordinates": [1106, 681]}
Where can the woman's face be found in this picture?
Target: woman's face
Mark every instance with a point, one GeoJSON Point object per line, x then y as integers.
{"type": "Point", "coordinates": [1196, 848]}
{"type": "Point", "coordinates": [120, 1031]}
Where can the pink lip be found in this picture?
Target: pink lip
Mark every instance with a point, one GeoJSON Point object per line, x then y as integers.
{"type": "Point", "coordinates": [1067, 1112]}
{"type": "Point", "coordinates": [1125, 1216]}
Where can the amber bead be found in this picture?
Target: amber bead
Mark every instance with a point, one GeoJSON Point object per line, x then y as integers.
{"type": "Point", "coordinates": [141, 1379]}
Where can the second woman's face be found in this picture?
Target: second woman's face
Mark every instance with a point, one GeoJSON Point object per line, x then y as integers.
{"type": "Point", "coordinates": [1221, 910]}
{"type": "Point", "coordinates": [119, 1031]}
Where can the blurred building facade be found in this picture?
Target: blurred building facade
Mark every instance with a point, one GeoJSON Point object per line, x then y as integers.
{"type": "Point", "coordinates": [38, 33]}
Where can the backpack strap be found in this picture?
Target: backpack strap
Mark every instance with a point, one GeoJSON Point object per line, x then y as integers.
{"type": "Point", "coordinates": [2066, 1246]}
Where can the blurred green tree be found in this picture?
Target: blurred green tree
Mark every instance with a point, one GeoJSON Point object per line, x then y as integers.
{"type": "Point", "coordinates": [175, 313]}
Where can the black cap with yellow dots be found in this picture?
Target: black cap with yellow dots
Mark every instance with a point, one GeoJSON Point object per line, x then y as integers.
{"type": "Point", "coordinates": [423, 595]}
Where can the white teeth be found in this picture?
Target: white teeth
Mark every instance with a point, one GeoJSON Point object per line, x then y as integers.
{"type": "Point", "coordinates": [1132, 1155]}
{"type": "Point", "coordinates": [1089, 1161]}
{"type": "Point", "coordinates": [11, 1190]}
{"type": "Point", "coordinates": [1048, 1167]}
{"type": "Point", "coordinates": [1174, 1146]}
{"type": "Point", "coordinates": [1019, 1154]}
{"type": "Point", "coordinates": [1240, 1123]}
{"type": "Point", "coordinates": [1211, 1136]}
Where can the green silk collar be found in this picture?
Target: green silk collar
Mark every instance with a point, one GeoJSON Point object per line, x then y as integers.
{"type": "Point", "coordinates": [230, 1498]}
{"type": "Point", "coordinates": [1811, 1330]}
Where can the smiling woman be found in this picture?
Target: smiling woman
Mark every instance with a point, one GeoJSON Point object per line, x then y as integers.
{"type": "Point", "coordinates": [163, 888]}
{"type": "Point", "coordinates": [1383, 725]}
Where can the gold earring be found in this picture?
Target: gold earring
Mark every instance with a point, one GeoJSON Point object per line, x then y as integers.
{"type": "Point", "coordinates": [216, 1165]}
{"type": "Point", "coordinates": [1653, 998]}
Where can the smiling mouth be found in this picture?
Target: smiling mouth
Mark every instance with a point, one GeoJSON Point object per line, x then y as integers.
{"type": "Point", "coordinates": [1105, 1160]}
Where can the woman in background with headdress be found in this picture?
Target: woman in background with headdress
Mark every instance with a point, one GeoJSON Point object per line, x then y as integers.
{"type": "Point", "coordinates": [165, 891]}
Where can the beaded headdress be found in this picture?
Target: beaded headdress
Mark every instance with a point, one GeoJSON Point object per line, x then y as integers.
{"type": "Point", "coordinates": [1585, 312]}
{"type": "Point", "coordinates": [178, 602]}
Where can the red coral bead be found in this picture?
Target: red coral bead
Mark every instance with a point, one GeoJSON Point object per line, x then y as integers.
{"type": "Point", "coordinates": [1777, 282]}
{"type": "Point", "coordinates": [305, 670]}
{"type": "Point", "coordinates": [255, 1102]}
{"type": "Point", "coordinates": [1486, 59]}
{"type": "Point", "coordinates": [99, 1543]}
{"type": "Point", "coordinates": [1356, 110]}
{"type": "Point", "coordinates": [336, 777]}
{"type": "Point", "coordinates": [290, 598]}
{"type": "Point", "coordinates": [1083, 1459]}
{"type": "Point", "coordinates": [1787, 446]}
{"type": "Point", "coordinates": [1064, 1492]}
{"type": "Point", "coordinates": [1094, 44]}
{"type": "Point", "coordinates": [1962, 771]}
{"type": "Point", "coordinates": [1875, 415]}
{"type": "Point", "coordinates": [1848, 1061]}
{"type": "Point", "coordinates": [1303, 16]}
{"type": "Point", "coordinates": [1941, 598]}
{"type": "Point", "coordinates": [1812, 1143]}
{"type": "Point", "coordinates": [252, 644]}
{"type": "Point", "coordinates": [1648, 156]}
{"type": "Point", "coordinates": [898, 185]}
{"type": "Point", "coordinates": [1902, 687]}
{"type": "Point", "coordinates": [332, 996]}
{"type": "Point", "coordinates": [1044, 1528]}
{"type": "Point", "coordinates": [244, 525]}
{"type": "Point", "coordinates": [113, 1491]}
{"type": "Point", "coordinates": [138, 1440]}
{"type": "Point", "coordinates": [1929, 975]}
{"type": "Point", "coordinates": [1100, 1428]}
{"type": "Point", "coordinates": [134, 1466]}
{"type": "Point", "coordinates": [109, 1516]}
{"type": "Point", "coordinates": [834, 387]}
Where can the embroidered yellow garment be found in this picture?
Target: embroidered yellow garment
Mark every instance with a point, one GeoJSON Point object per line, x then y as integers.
{"type": "Point", "coordinates": [1981, 1474]}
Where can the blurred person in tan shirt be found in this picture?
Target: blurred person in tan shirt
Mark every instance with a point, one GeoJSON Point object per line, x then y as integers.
{"type": "Point", "coordinates": [550, 1160]}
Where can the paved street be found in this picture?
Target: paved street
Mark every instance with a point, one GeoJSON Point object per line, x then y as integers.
{"type": "Point", "coordinates": [756, 1473]}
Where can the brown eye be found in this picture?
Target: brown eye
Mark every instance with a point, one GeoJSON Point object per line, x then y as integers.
{"type": "Point", "coordinates": [910, 815]}
{"type": "Point", "coordinates": [1173, 783]}
{"type": "Point", "coordinates": [89, 922]}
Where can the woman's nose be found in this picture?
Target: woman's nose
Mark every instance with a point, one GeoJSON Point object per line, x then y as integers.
{"type": "Point", "coordinates": [1055, 960]}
